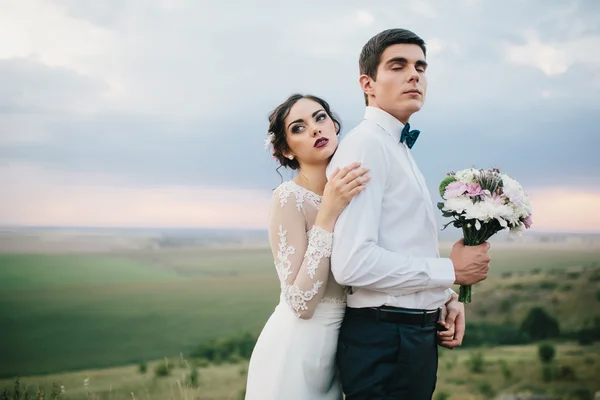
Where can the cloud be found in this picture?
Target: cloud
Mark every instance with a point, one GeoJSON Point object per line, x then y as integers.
{"type": "Point", "coordinates": [364, 17]}
{"type": "Point", "coordinates": [33, 87]}
{"type": "Point", "coordinates": [176, 93]}
{"type": "Point", "coordinates": [423, 8]}
{"type": "Point", "coordinates": [547, 58]}
{"type": "Point", "coordinates": [557, 58]}
{"type": "Point", "coordinates": [42, 31]}
{"type": "Point", "coordinates": [326, 35]}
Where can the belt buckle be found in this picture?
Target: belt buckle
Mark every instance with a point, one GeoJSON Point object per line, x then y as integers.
{"type": "Point", "coordinates": [426, 313]}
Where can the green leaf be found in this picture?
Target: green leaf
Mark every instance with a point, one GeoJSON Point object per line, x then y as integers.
{"type": "Point", "coordinates": [447, 180]}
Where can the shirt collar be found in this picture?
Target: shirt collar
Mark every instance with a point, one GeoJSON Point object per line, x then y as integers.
{"type": "Point", "coordinates": [386, 121]}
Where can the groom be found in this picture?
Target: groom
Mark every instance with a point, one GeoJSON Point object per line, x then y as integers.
{"type": "Point", "coordinates": [386, 247]}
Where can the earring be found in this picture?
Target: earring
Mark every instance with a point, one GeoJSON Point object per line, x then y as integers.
{"type": "Point", "coordinates": [291, 157]}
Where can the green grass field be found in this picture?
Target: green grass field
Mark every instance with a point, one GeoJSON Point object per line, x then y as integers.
{"type": "Point", "coordinates": [72, 312]}
{"type": "Point", "coordinates": [45, 271]}
{"type": "Point", "coordinates": [463, 374]}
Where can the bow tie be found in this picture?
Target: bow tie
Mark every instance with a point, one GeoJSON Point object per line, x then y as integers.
{"type": "Point", "coordinates": [409, 136]}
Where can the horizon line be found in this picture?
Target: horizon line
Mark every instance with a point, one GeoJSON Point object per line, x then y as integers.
{"type": "Point", "coordinates": [237, 228]}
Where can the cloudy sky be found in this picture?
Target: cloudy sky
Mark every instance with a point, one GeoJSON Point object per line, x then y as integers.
{"type": "Point", "coordinates": [154, 112]}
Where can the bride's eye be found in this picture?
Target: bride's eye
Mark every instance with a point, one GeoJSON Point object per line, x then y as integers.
{"type": "Point", "coordinates": [296, 128]}
{"type": "Point", "coordinates": [321, 116]}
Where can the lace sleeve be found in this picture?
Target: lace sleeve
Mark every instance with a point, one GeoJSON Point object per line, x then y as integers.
{"type": "Point", "coordinates": [301, 257]}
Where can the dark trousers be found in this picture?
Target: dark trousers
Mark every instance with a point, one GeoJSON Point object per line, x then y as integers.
{"type": "Point", "coordinates": [383, 360]}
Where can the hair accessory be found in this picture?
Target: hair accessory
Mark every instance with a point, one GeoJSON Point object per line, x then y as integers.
{"type": "Point", "coordinates": [269, 140]}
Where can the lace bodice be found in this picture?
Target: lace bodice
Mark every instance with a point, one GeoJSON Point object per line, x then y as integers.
{"type": "Point", "coordinates": [301, 250]}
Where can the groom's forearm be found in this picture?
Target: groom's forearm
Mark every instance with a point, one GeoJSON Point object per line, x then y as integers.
{"type": "Point", "coordinates": [370, 266]}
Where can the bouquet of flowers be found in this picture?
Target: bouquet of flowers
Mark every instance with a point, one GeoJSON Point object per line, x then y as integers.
{"type": "Point", "coordinates": [483, 202]}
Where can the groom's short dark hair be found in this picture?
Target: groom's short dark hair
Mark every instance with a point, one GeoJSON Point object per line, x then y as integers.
{"type": "Point", "coordinates": [370, 56]}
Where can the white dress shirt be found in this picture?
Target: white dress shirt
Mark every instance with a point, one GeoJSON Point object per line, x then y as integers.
{"type": "Point", "coordinates": [385, 243]}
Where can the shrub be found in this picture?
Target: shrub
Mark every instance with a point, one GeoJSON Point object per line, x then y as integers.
{"type": "Point", "coordinates": [589, 360]}
{"type": "Point", "coordinates": [573, 275]}
{"type": "Point", "coordinates": [548, 285]}
{"type": "Point", "coordinates": [546, 352]}
{"type": "Point", "coordinates": [192, 379]}
{"type": "Point", "coordinates": [457, 381]}
{"type": "Point", "coordinates": [554, 271]}
{"type": "Point", "coordinates": [143, 368]}
{"type": "Point", "coordinates": [486, 389]}
{"type": "Point", "coordinates": [21, 392]}
{"type": "Point", "coordinates": [202, 363]}
{"type": "Point", "coordinates": [540, 325]}
{"type": "Point", "coordinates": [231, 349]}
{"type": "Point", "coordinates": [589, 333]}
{"type": "Point", "coordinates": [442, 396]}
{"type": "Point", "coordinates": [506, 370]}
{"type": "Point", "coordinates": [566, 373]}
{"type": "Point", "coordinates": [585, 337]}
{"type": "Point", "coordinates": [493, 334]}
{"type": "Point", "coordinates": [235, 359]}
{"type": "Point", "coordinates": [580, 394]}
{"type": "Point", "coordinates": [163, 369]}
{"type": "Point", "coordinates": [476, 362]}
{"type": "Point", "coordinates": [506, 305]}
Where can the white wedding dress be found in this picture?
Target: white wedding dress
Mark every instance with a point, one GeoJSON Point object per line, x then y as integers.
{"type": "Point", "coordinates": [294, 357]}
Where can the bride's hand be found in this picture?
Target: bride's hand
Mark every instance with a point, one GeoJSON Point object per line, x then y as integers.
{"type": "Point", "coordinates": [343, 186]}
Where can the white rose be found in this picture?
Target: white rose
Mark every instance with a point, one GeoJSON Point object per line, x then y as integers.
{"type": "Point", "coordinates": [466, 175]}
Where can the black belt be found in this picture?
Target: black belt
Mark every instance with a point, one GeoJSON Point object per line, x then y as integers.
{"type": "Point", "coordinates": [397, 315]}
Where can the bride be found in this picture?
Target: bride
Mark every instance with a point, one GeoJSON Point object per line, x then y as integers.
{"type": "Point", "coordinates": [294, 357]}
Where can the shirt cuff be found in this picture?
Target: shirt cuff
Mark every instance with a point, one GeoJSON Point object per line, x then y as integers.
{"type": "Point", "coordinates": [449, 293]}
{"type": "Point", "coordinates": [442, 273]}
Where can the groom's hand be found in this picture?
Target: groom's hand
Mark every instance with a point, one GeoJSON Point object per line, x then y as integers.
{"type": "Point", "coordinates": [471, 263]}
{"type": "Point", "coordinates": [454, 322]}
